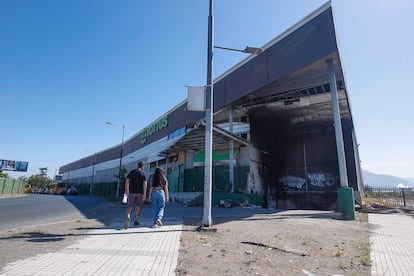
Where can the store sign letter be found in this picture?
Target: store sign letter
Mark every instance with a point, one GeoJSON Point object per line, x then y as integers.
{"type": "Point", "coordinates": [154, 128]}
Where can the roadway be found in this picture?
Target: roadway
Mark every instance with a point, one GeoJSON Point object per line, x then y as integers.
{"type": "Point", "coordinates": [40, 209]}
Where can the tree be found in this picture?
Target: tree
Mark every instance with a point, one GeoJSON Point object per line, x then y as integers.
{"type": "Point", "coordinates": [3, 175]}
{"type": "Point", "coordinates": [23, 178]}
{"type": "Point", "coordinates": [39, 180]}
{"type": "Point", "coordinates": [124, 172]}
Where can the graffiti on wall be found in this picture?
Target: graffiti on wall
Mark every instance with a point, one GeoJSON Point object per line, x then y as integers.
{"type": "Point", "coordinates": [316, 181]}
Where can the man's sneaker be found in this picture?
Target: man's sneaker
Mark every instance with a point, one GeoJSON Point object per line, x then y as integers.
{"type": "Point", "coordinates": [136, 223]}
{"type": "Point", "coordinates": [155, 226]}
{"type": "Point", "coordinates": [158, 222]}
{"type": "Point", "coordinates": [127, 223]}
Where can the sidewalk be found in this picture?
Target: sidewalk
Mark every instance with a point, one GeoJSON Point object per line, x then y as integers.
{"type": "Point", "coordinates": [392, 244]}
{"type": "Point", "coordinates": [112, 251]}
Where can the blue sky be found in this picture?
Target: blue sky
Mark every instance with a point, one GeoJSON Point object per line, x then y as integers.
{"type": "Point", "coordinates": [68, 66]}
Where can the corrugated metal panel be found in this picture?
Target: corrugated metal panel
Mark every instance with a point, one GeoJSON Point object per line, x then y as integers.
{"type": "Point", "coordinates": [237, 127]}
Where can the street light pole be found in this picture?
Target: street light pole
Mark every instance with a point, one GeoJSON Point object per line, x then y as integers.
{"type": "Point", "coordinates": [207, 221]}
{"type": "Point", "coordinates": [120, 158]}
{"type": "Point", "coordinates": [247, 50]}
{"type": "Point", "coordinates": [120, 162]}
{"type": "Point", "coordinates": [93, 172]}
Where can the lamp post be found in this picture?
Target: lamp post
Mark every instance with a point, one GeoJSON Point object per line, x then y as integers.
{"type": "Point", "coordinates": [93, 172]}
{"type": "Point", "coordinates": [247, 50]}
{"type": "Point", "coordinates": [207, 221]}
{"type": "Point", "coordinates": [120, 158]}
{"type": "Point", "coordinates": [209, 124]}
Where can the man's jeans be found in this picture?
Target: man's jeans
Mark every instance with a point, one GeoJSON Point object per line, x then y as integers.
{"type": "Point", "coordinates": [158, 204]}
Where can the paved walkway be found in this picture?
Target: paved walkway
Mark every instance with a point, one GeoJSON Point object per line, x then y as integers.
{"type": "Point", "coordinates": [392, 244]}
{"type": "Point", "coordinates": [111, 251]}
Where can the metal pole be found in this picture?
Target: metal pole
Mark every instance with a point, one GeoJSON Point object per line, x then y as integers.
{"type": "Point", "coordinates": [231, 157]}
{"type": "Point", "coordinates": [93, 172]}
{"type": "Point", "coordinates": [120, 162]}
{"type": "Point", "coordinates": [403, 194]}
{"type": "Point", "coordinates": [209, 123]}
{"type": "Point", "coordinates": [305, 163]}
{"type": "Point", "coordinates": [338, 126]}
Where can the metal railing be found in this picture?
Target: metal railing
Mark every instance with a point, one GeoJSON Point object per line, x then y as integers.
{"type": "Point", "coordinates": [390, 197]}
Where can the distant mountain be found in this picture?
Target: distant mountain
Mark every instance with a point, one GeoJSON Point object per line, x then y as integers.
{"type": "Point", "coordinates": [383, 180]}
{"type": "Point", "coordinates": [411, 180]}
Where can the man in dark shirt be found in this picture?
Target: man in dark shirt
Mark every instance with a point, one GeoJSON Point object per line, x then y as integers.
{"type": "Point", "coordinates": [135, 189]}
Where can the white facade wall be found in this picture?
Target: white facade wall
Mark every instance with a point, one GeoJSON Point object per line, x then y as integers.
{"type": "Point", "coordinates": [104, 172]}
{"type": "Point", "coordinates": [244, 157]}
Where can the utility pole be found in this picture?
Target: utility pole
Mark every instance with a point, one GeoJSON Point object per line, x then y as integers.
{"type": "Point", "coordinates": [207, 221]}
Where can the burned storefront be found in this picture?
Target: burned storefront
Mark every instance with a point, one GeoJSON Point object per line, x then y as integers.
{"type": "Point", "coordinates": [293, 144]}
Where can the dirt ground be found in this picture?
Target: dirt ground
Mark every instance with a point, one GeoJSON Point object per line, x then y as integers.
{"type": "Point", "coordinates": [277, 244]}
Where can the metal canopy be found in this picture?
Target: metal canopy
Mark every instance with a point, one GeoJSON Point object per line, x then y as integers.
{"type": "Point", "coordinates": [301, 97]}
{"type": "Point", "coordinates": [194, 140]}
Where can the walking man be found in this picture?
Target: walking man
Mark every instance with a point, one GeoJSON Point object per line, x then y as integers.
{"type": "Point", "coordinates": [136, 190]}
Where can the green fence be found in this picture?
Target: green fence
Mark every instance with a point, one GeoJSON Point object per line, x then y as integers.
{"type": "Point", "coordinates": [173, 181]}
{"type": "Point", "coordinates": [11, 186]}
{"type": "Point", "coordinates": [194, 179]}
{"type": "Point", "coordinates": [104, 189]}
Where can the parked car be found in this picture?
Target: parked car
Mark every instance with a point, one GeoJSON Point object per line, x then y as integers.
{"type": "Point", "coordinates": [62, 191]}
{"type": "Point", "coordinates": [72, 191]}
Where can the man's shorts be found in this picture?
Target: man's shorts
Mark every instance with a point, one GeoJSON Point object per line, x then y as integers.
{"type": "Point", "coordinates": [134, 200]}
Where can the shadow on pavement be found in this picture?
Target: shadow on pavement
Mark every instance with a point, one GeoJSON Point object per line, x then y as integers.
{"type": "Point", "coordinates": [110, 213]}
{"type": "Point", "coordinates": [39, 237]}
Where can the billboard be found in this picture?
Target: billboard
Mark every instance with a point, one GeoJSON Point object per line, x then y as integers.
{"type": "Point", "coordinates": [11, 165]}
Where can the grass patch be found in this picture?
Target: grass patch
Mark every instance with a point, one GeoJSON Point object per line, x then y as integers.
{"type": "Point", "coordinates": [180, 271]}
{"type": "Point", "coordinates": [361, 216]}
{"type": "Point", "coordinates": [338, 251]}
{"type": "Point", "coordinates": [250, 262]}
{"type": "Point", "coordinates": [365, 257]}
{"type": "Point", "coordinates": [307, 240]}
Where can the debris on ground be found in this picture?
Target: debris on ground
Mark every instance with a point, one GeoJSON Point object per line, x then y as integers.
{"type": "Point", "coordinates": [285, 249]}
{"type": "Point", "coordinates": [228, 203]}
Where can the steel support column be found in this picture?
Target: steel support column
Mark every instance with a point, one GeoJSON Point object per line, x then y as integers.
{"type": "Point", "coordinates": [231, 149]}
{"type": "Point", "coordinates": [337, 125]}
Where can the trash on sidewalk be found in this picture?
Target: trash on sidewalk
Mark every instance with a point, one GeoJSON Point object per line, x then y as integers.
{"type": "Point", "coordinates": [228, 203]}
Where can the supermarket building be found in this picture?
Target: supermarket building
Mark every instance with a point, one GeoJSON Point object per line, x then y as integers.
{"type": "Point", "coordinates": [274, 139]}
